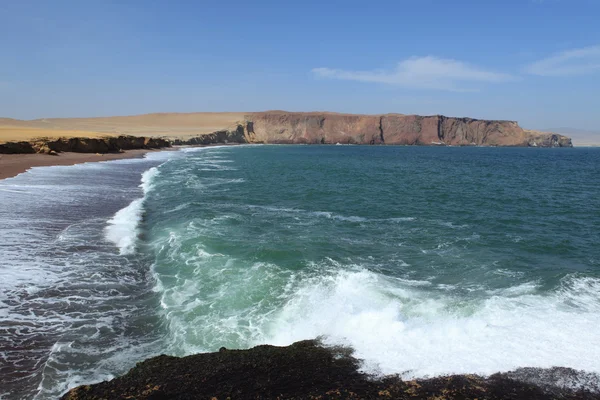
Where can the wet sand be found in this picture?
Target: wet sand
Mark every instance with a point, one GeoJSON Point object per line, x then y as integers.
{"type": "Point", "coordinates": [14, 164]}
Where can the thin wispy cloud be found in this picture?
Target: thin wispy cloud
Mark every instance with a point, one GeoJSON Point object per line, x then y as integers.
{"type": "Point", "coordinates": [571, 62]}
{"type": "Point", "coordinates": [423, 73]}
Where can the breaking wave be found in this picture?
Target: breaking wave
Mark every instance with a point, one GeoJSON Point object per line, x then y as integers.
{"type": "Point", "coordinates": [123, 228]}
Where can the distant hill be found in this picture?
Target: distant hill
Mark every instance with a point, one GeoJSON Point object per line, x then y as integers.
{"type": "Point", "coordinates": [580, 137]}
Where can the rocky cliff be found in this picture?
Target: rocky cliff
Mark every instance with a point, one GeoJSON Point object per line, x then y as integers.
{"type": "Point", "coordinates": [294, 127]}
{"type": "Point", "coordinates": [236, 135]}
{"type": "Point", "coordinates": [306, 370]}
{"type": "Point", "coordinates": [398, 129]}
{"type": "Point", "coordinates": [109, 144]}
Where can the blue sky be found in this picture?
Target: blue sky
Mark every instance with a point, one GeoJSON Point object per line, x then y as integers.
{"type": "Point", "coordinates": [535, 61]}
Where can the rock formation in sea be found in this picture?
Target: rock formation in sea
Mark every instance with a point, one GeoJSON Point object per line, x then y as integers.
{"type": "Point", "coordinates": [307, 370]}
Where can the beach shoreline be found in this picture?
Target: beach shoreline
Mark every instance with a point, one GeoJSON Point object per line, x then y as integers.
{"type": "Point", "coordinates": [12, 165]}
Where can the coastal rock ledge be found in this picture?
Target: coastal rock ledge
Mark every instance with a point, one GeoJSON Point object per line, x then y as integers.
{"type": "Point", "coordinates": [109, 144]}
{"type": "Point", "coordinates": [307, 370]}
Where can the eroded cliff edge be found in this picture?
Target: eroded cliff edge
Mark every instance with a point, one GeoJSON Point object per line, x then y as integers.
{"type": "Point", "coordinates": [396, 129]}
{"type": "Point", "coordinates": [307, 370]}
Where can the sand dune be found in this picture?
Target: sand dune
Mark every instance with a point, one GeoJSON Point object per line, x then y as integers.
{"type": "Point", "coordinates": [17, 133]}
{"type": "Point", "coordinates": [169, 125]}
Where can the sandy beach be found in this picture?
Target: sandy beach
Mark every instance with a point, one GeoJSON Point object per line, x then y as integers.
{"type": "Point", "coordinates": [159, 125]}
{"type": "Point", "coordinates": [14, 164]}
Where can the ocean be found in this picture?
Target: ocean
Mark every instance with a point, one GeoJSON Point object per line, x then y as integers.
{"type": "Point", "coordinates": [425, 260]}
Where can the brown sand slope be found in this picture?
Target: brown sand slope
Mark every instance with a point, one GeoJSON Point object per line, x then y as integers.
{"type": "Point", "coordinates": [18, 133]}
{"type": "Point", "coordinates": [168, 125]}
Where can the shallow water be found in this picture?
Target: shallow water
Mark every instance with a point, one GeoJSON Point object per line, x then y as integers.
{"type": "Point", "coordinates": [426, 261]}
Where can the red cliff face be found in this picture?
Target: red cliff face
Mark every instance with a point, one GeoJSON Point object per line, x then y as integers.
{"type": "Point", "coordinates": [287, 127]}
{"type": "Point", "coordinates": [284, 127]}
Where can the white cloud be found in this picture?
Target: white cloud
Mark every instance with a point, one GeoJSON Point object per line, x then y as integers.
{"type": "Point", "coordinates": [423, 73]}
{"type": "Point", "coordinates": [571, 62]}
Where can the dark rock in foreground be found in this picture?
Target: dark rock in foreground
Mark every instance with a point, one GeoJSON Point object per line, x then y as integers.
{"type": "Point", "coordinates": [306, 370]}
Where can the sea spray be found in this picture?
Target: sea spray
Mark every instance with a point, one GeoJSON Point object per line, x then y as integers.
{"type": "Point", "coordinates": [421, 331]}
{"type": "Point", "coordinates": [123, 227]}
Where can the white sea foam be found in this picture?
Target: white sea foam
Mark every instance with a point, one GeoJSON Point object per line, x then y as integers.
{"type": "Point", "coordinates": [123, 227]}
{"type": "Point", "coordinates": [401, 329]}
{"type": "Point", "coordinates": [147, 178]}
{"type": "Point", "coordinates": [320, 214]}
{"type": "Point", "coordinates": [197, 149]}
{"type": "Point", "coordinates": [395, 325]}
{"type": "Point", "coordinates": [402, 219]}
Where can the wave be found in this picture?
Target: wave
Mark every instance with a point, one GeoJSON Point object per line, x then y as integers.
{"type": "Point", "coordinates": [123, 227]}
{"type": "Point", "coordinates": [398, 328]}
{"type": "Point", "coordinates": [395, 325]}
{"type": "Point", "coordinates": [147, 178]}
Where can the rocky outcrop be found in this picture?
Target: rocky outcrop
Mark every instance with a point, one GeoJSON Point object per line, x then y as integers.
{"type": "Point", "coordinates": [398, 129]}
{"type": "Point", "coordinates": [545, 139]}
{"type": "Point", "coordinates": [306, 370]}
{"type": "Point", "coordinates": [17, 148]}
{"type": "Point", "coordinates": [236, 135]}
{"type": "Point", "coordinates": [109, 144]}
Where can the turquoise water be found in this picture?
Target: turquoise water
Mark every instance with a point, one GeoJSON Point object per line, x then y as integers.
{"type": "Point", "coordinates": [460, 253]}
{"type": "Point", "coordinates": [427, 261]}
